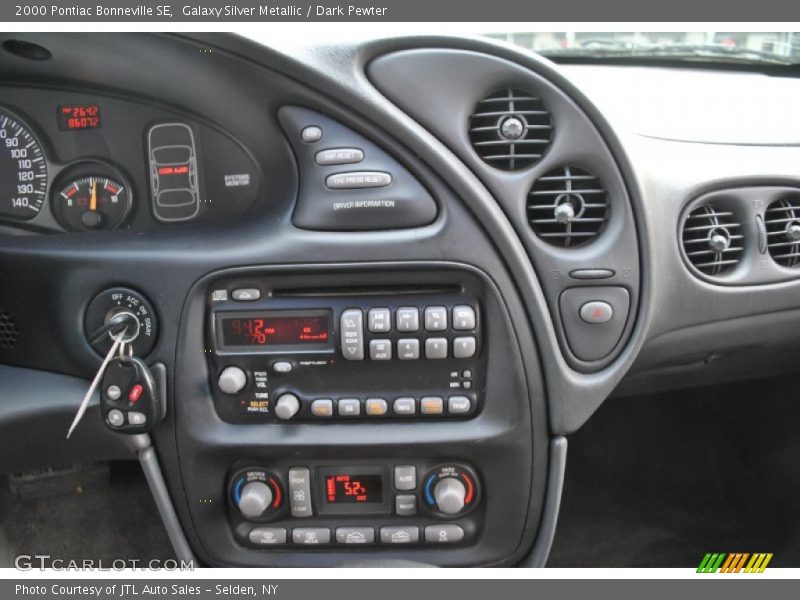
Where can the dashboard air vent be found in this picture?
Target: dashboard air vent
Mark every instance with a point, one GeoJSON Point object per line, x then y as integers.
{"type": "Point", "coordinates": [567, 206]}
{"type": "Point", "coordinates": [783, 231]}
{"type": "Point", "coordinates": [713, 240]}
{"type": "Point", "coordinates": [510, 129]}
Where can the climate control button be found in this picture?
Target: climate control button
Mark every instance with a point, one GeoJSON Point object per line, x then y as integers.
{"type": "Point", "coordinates": [254, 499]}
{"type": "Point", "coordinates": [450, 490]}
{"type": "Point", "coordinates": [449, 494]}
{"type": "Point", "coordinates": [257, 494]}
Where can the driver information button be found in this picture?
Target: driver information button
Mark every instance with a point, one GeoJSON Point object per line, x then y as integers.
{"type": "Point", "coordinates": [339, 156]}
{"type": "Point", "coordinates": [358, 180]}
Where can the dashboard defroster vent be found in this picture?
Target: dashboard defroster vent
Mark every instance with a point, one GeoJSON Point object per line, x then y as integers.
{"type": "Point", "coordinates": [712, 239]}
{"type": "Point", "coordinates": [510, 129]}
{"type": "Point", "coordinates": [567, 206]}
{"type": "Point", "coordinates": [782, 220]}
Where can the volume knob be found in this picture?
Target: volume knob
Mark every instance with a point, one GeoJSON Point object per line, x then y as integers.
{"type": "Point", "coordinates": [255, 499]}
{"type": "Point", "coordinates": [287, 406]}
{"type": "Point", "coordinates": [232, 380]}
{"type": "Point", "coordinates": [450, 494]}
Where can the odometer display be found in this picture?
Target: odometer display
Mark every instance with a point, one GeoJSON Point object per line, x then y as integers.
{"type": "Point", "coordinates": [23, 170]}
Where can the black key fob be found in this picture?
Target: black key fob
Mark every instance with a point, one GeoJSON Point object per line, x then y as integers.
{"type": "Point", "coordinates": [130, 400]}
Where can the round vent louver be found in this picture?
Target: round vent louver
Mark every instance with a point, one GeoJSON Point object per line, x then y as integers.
{"type": "Point", "coordinates": [567, 206]}
{"type": "Point", "coordinates": [510, 129]}
{"type": "Point", "coordinates": [783, 231]}
{"type": "Point", "coordinates": [712, 240]}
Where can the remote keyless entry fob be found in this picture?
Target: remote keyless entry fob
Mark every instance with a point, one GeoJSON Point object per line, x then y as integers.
{"type": "Point", "coordinates": [130, 399]}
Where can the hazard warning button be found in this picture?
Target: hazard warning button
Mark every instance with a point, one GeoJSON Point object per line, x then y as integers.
{"type": "Point", "coordinates": [596, 312]}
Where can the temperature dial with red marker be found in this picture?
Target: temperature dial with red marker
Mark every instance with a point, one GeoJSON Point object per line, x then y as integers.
{"type": "Point", "coordinates": [257, 494]}
{"type": "Point", "coordinates": [91, 203]}
{"type": "Point", "coordinates": [450, 490]}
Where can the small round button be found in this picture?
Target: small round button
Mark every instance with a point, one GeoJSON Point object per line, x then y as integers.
{"type": "Point", "coordinates": [232, 380]}
{"type": "Point", "coordinates": [113, 392]}
{"type": "Point", "coordinates": [115, 418]}
{"type": "Point", "coordinates": [255, 499]}
{"type": "Point", "coordinates": [287, 406]}
{"type": "Point", "coordinates": [450, 494]}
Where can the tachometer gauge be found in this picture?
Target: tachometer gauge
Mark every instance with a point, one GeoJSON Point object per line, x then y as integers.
{"type": "Point", "coordinates": [92, 202]}
{"type": "Point", "coordinates": [23, 170]}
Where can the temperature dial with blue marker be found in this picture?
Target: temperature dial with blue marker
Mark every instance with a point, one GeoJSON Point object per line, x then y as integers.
{"type": "Point", "coordinates": [450, 490]}
{"type": "Point", "coordinates": [257, 494]}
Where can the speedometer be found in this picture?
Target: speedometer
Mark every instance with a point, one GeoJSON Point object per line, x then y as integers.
{"type": "Point", "coordinates": [23, 170]}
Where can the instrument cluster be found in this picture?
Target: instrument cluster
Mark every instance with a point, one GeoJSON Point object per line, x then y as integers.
{"type": "Point", "coordinates": [79, 163]}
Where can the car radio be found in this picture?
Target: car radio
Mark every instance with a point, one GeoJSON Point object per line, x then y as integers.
{"type": "Point", "coordinates": [377, 354]}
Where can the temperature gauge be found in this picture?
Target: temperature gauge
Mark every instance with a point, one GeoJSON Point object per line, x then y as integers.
{"type": "Point", "coordinates": [92, 202]}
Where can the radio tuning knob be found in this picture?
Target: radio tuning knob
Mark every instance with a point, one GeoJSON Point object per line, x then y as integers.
{"type": "Point", "coordinates": [450, 494]}
{"type": "Point", "coordinates": [287, 406]}
{"type": "Point", "coordinates": [255, 499]}
{"type": "Point", "coordinates": [232, 380]}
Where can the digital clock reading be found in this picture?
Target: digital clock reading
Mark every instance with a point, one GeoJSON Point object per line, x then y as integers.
{"type": "Point", "coordinates": [274, 330]}
{"type": "Point", "coordinates": [77, 117]}
{"type": "Point", "coordinates": [344, 488]}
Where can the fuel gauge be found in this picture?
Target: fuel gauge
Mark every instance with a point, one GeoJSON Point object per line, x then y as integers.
{"type": "Point", "coordinates": [92, 202]}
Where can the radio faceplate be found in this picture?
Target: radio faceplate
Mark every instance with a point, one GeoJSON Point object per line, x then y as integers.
{"type": "Point", "coordinates": [380, 353]}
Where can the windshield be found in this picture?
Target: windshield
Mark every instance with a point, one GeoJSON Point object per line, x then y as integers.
{"type": "Point", "coordinates": [747, 47]}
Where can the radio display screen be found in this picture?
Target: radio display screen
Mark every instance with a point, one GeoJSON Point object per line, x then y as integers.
{"type": "Point", "coordinates": [347, 488]}
{"type": "Point", "coordinates": [290, 329]}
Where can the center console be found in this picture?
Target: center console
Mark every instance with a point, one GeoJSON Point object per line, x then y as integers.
{"type": "Point", "coordinates": [330, 412]}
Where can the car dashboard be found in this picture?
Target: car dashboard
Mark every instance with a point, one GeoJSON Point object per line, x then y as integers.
{"type": "Point", "coordinates": [376, 283]}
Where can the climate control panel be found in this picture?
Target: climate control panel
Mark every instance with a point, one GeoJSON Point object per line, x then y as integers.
{"type": "Point", "coordinates": [324, 504]}
{"type": "Point", "coordinates": [376, 355]}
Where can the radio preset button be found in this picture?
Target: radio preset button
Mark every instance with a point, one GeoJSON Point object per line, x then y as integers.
{"type": "Point", "coordinates": [399, 535]}
{"type": "Point", "coordinates": [380, 349]}
{"type": "Point", "coordinates": [463, 318]}
{"type": "Point", "coordinates": [288, 405]}
{"type": "Point", "coordinates": [436, 348]}
{"type": "Point", "coordinates": [408, 349]}
{"type": "Point", "coordinates": [464, 347]}
{"type": "Point", "coordinates": [232, 380]}
{"type": "Point", "coordinates": [407, 318]}
{"type": "Point", "coordinates": [352, 332]}
{"type": "Point", "coordinates": [444, 534]}
{"type": "Point", "coordinates": [436, 318]}
{"type": "Point", "coordinates": [404, 406]}
{"type": "Point", "coordinates": [300, 492]}
{"type": "Point", "coordinates": [322, 407]}
{"type": "Point", "coordinates": [375, 407]}
{"type": "Point", "coordinates": [379, 320]}
{"type": "Point", "coordinates": [405, 477]}
{"type": "Point", "coordinates": [431, 405]}
{"type": "Point", "coordinates": [458, 405]}
{"type": "Point", "coordinates": [311, 535]}
{"type": "Point", "coordinates": [349, 407]}
{"type": "Point", "coordinates": [355, 535]}
{"type": "Point", "coordinates": [267, 536]}
{"type": "Point", "coordinates": [405, 505]}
